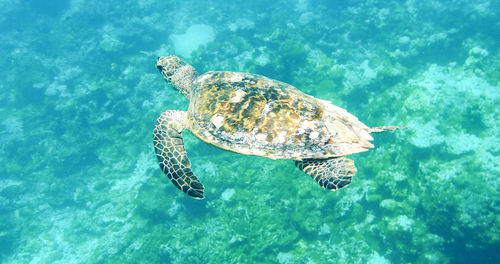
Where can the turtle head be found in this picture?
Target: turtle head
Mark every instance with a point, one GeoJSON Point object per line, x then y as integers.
{"type": "Point", "coordinates": [178, 73]}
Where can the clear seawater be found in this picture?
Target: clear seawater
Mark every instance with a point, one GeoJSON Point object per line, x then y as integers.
{"type": "Point", "coordinates": [79, 96]}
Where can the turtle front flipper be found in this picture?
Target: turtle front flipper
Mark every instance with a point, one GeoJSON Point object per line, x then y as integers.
{"type": "Point", "coordinates": [332, 174]}
{"type": "Point", "coordinates": [172, 157]}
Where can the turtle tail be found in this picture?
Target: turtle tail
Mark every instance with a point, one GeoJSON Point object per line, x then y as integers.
{"type": "Point", "coordinates": [385, 128]}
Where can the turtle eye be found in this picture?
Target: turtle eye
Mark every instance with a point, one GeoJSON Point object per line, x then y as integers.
{"type": "Point", "coordinates": [159, 67]}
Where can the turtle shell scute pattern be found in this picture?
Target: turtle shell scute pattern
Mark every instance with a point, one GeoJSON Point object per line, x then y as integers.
{"type": "Point", "coordinates": [252, 114]}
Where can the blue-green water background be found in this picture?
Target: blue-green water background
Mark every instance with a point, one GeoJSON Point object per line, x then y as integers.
{"type": "Point", "coordinates": [79, 95]}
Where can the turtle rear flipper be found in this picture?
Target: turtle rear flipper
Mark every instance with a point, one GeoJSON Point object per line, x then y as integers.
{"type": "Point", "coordinates": [331, 174]}
{"type": "Point", "coordinates": [172, 156]}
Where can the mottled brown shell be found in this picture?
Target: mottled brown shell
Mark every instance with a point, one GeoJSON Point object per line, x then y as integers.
{"type": "Point", "coordinates": [252, 114]}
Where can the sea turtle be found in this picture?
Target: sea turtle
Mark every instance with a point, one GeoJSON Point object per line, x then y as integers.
{"type": "Point", "coordinates": [254, 115]}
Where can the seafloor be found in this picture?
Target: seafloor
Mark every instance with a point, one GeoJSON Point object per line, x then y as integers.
{"type": "Point", "coordinates": [79, 95]}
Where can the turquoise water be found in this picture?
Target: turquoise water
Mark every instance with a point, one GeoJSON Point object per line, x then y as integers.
{"type": "Point", "coordinates": [79, 96]}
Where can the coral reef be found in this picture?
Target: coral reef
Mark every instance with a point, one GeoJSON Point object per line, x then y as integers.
{"type": "Point", "coordinates": [79, 97]}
